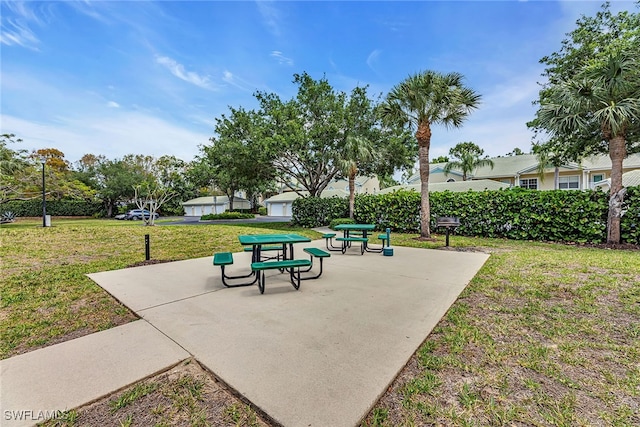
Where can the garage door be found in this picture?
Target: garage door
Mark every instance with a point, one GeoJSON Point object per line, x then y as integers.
{"type": "Point", "coordinates": [276, 209]}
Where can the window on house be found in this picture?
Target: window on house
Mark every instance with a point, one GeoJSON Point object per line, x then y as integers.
{"type": "Point", "coordinates": [569, 182]}
{"type": "Point", "coordinates": [451, 180]}
{"type": "Point", "coordinates": [597, 178]}
{"type": "Point", "coordinates": [531, 184]}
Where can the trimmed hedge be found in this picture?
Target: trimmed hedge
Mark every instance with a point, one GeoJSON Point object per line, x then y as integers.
{"type": "Point", "coordinates": [519, 214]}
{"type": "Point", "coordinates": [33, 207]}
{"type": "Point", "coordinates": [316, 211]}
{"type": "Point", "coordinates": [227, 215]}
{"type": "Point", "coordinates": [338, 221]}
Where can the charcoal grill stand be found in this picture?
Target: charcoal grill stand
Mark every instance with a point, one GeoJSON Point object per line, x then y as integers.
{"type": "Point", "coordinates": [448, 222]}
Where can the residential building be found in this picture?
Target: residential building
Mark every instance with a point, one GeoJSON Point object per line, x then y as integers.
{"type": "Point", "coordinates": [281, 204]}
{"type": "Point", "coordinates": [212, 205]}
{"type": "Point", "coordinates": [522, 171]}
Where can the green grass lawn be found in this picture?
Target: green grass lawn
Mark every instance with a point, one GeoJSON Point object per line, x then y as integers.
{"type": "Point", "coordinates": [45, 294]}
{"type": "Point", "coordinates": [545, 334]}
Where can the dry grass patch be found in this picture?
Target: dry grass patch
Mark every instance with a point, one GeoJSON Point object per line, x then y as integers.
{"type": "Point", "coordinates": [186, 395]}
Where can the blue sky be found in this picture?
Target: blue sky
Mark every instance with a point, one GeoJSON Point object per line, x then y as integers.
{"type": "Point", "coordinates": [133, 77]}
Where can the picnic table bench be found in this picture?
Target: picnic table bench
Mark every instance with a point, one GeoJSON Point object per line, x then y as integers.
{"type": "Point", "coordinates": [223, 259]}
{"type": "Point", "coordinates": [357, 233]}
{"type": "Point", "coordinates": [290, 264]}
{"type": "Point", "coordinates": [271, 242]}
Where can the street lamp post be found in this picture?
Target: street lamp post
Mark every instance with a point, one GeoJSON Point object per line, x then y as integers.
{"type": "Point", "coordinates": [44, 199]}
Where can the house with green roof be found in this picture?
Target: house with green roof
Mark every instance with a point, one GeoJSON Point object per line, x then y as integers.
{"type": "Point", "coordinates": [523, 171]}
{"type": "Point", "coordinates": [454, 186]}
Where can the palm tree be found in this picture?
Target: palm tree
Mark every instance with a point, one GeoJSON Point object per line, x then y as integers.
{"type": "Point", "coordinates": [550, 154]}
{"type": "Point", "coordinates": [466, 157]}
{"type": "Point", "coordinates": [422, 100]}
{"type": "Point", "coordinates": [355, 151]}
{"type": "Point", "coordinates": [605, 95]}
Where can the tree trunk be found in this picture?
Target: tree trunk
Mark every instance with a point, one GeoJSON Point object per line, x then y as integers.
{"type": "Point", "coordinates": [230, 195]}
{"type": "Point", "coordinates": [556, 178]}
{"type": "Point", "coordinates": [617, 153]}
{"type": "Point", "coordinates": [423, 135]}
{"type": "Point", "coordinates": [352, 194]}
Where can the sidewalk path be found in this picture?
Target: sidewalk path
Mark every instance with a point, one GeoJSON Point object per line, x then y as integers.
{"type": "Point", "coordinates": [64, 376]}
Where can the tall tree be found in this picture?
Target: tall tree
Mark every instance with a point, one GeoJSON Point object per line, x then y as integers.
{"type": "Point", "coordinates": [171, 175]}
{"type": "Point", "coordinates": [589, 103]}
{"type": "Point", "coordinates": [151, 196]}
{"type": "Point", "coordinates": [550, 154]}
{"type": "Point", "coordinates": [13, 164]}
{"type": "Point", "coordinates": [603, 95]}
{"type": "Point", "coordinates": [238, 158]}
{"type": "Point", "coordinates": [516, 152]}
{"type": "Point", "coordinates": [422, 100]}
{"type": "Point", "coordinates": [440, 159]}
{"type": "Point", "coordinates": [117, 180]}
{"type": "Point", "coordinates": [307, 135]}
{"type": "Point", "coordinates": [466, 158]}
{"type": "Point", "coordinates": [355, 152]}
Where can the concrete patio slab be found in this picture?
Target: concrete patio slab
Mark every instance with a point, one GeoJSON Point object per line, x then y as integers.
{"type": "Point", "coordinates": [320, 356]}
{"type": "Point", "coordinates": [37, 384]}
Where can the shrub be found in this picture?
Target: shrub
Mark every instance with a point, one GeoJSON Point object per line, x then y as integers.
{"type": "Point", "coordinates": [519, 214]}
{"type": "Point", "coordinates": [338, 221]}
{"type": "Point", "coordinates": [227, 215]}
{"type": "Point", "coordinates": [262, 211]}
{"type": "Point", "coordinates": [316, 211]}
{"type": "Point", "coordinates": [33, 207]}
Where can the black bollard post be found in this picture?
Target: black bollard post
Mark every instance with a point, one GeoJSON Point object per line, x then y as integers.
{"type": "Point", "coordinates": [147, 252]}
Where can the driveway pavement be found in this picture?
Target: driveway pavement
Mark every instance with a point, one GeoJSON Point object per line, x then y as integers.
{"type": "Point", "coordinates": [320, 356]}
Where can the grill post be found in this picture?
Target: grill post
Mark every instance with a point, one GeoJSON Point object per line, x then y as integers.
{"type": "Point", "coordinates": [447, 222]}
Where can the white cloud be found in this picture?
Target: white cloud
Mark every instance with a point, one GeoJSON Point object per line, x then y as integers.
{"type": "Point", "coordinates": [114, 136]}
{"type": "Point", "coordinates": [113, 104]}
{"type": "Point", "coordinates": [373, 58]}
{"type": "Point", "coordinates": [281, 58]}
{"type": "Point", "coordinates": [499, 124]}
{"type": "Point", "coordinates": [517, 91]}
{"type": "Point", "coordinates": [238, 82]}
{"type": "Point", "coordinates": [270, 16]}
{"type": "Point", "coordinates": [17, 33]}
{"type": "Point", "coordinates": [179, 71]}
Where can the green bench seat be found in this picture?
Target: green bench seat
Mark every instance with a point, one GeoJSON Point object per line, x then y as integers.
{"type": "Point", "coordinates": [328, 237]}
{"type": "Point", "coordinates": [346, 242]}
{"type": "Point", "coordinates": [317, 253]}
{"type": "Point", "coordinates": [222, 259]}
{"type": "Point", "coordinates": [270, 265]}
{"type": "Point", "coordinates": [289, 264]}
